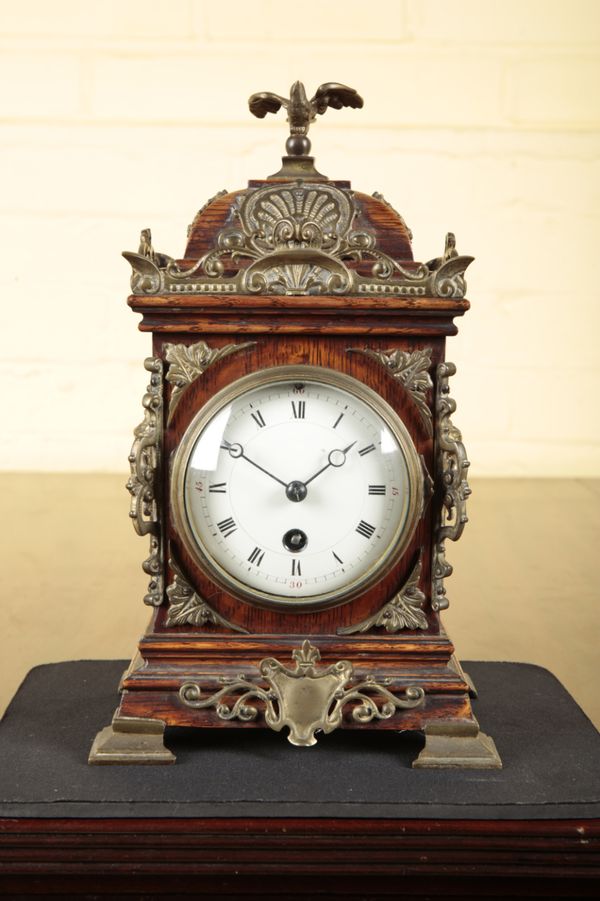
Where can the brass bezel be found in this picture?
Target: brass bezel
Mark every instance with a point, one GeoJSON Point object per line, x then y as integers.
{"type": "Point", "coordinates": [258, 379]}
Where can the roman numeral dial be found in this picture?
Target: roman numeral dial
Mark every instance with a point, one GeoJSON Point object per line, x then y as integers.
{"type": "Point", "coordinates": [297, 489]}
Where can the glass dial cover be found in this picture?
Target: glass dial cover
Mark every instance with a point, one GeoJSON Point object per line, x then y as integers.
{"type": "Point", "coordinates": [296, 486]}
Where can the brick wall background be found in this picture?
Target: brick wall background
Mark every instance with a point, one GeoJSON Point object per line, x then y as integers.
{"type": "Point", "coordinates": [480, 117]}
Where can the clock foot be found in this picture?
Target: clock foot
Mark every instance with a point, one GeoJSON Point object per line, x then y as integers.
{"type": "Point", "coordinates": [131, 740]}
{"type": "Point", "coordinates": [459, 745]}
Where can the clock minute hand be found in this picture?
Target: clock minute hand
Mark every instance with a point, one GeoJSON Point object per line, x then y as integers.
{"type": "Point", "coordinates": [236, 450]}
{"type": "Point", "coordinates": [333, 461]}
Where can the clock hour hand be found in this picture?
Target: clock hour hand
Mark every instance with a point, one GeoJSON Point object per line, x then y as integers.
{"type": "Point", "coordinates": [335, 458]}
{"type": "Point", "coordinates": [236, 450]}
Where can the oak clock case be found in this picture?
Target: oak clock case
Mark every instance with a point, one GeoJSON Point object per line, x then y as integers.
{"type": "Point", "coordinates": [297, 470]}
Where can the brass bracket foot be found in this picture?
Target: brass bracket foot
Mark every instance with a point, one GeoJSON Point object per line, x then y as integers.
{"type": "Point", "coordinates": [458, 745]}
{"type": "Point", "coordinates": [131, 740]}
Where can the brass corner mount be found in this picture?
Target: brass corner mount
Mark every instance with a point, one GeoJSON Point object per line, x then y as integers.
{"type": "Point", "coordinates": [300, 113]}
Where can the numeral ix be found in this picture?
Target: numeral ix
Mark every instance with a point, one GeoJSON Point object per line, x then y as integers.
{"type": "Point", "coordinates": [226, 527]}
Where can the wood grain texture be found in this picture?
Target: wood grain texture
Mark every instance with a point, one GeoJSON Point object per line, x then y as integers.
{"type": "Point", "coordinates": [299, 858]}
{"type": "Point", "coordinates": [243, 315]}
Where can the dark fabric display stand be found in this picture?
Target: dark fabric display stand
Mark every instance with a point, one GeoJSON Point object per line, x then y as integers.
{"type": "Point", "coordinates": [244, 813]}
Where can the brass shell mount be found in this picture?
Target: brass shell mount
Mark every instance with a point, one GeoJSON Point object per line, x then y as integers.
{"type": "Point", "coordinates": [301, 113]}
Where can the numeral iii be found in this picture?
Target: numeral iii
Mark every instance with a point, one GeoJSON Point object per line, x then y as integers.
{"type": "Point", "coordinates": [366, 450]}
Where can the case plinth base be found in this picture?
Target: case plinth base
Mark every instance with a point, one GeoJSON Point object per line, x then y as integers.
{"type": "Point", "coordinates": [131, 740]}
{"type": "Point", "coordinates": [428, 694]}
{"type": "Point", "coordinates": [449, 745]}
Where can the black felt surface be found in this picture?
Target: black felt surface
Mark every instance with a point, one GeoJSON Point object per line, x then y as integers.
{"type": "Point", "coordinates": [550, 751]}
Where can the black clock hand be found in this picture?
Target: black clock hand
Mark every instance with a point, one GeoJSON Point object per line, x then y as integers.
{"type": "Point", "coordinates": [331, 462]}
{"type": "Point", "coordinates": [236, 450]}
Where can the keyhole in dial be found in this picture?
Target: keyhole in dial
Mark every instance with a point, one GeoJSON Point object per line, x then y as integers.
{"type": "Point", "coordinates": [295, 540]}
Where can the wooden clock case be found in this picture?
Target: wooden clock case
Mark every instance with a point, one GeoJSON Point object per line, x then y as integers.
{"type": "Point", "coordinates": [349, 297]}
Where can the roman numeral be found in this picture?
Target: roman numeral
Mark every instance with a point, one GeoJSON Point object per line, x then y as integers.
{"type": "Point", "coordinates": [299, 409]}
{"type": "Point", "coordinates": [377, 489]}
{"type": "Point", "coordinates": [256, 556]}
{"type": "Point", "coordinates": [258, 419]}
{"type": "Point", "coordinates": [339, 560]}
{"type": "Point", "coordinates": [337, 422]}
{"type": "Point", "coordinates": [218, 488]}
{"type": "Point", "coordinates": [366, 450]}
{"type": "Point", "coordinates": [226, 527]}
{"type": "Point", "coordinates": [365, 529]}
{"type": "Point", "coordinates": [296, 570]}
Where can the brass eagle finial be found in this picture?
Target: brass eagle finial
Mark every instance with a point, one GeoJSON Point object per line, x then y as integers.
{"type": "Point", "coordinates": [302, 111]}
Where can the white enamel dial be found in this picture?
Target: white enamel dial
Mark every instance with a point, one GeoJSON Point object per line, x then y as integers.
{"type": "Point", "coordinates": [297, 487]}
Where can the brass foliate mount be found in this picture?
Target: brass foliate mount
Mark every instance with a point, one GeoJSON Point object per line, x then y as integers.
{"type": "Point", "coordinates": [298, 164]}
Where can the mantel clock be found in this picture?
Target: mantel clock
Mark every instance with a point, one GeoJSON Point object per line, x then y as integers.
{"type": "Point", "coordinates": [297, 470]}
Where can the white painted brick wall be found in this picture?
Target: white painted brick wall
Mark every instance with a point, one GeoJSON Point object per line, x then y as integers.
{"type": "Point", "coordinates": [480, 117]}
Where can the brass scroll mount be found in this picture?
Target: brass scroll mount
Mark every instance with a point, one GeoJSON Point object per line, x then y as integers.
{"type": "Point", "coordinates": [144, 481]}
{"type": "Point", "coordinates": [301, 112]}
{"type": "Point", "coordinates": [307, 699]}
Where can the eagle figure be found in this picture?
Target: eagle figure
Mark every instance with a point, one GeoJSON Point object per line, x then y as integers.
{"type": "Point", "coordinates": [302, 111]}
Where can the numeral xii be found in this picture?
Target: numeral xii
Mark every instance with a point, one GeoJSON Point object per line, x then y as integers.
{"type": "Point", "coordinates": [299, 409]}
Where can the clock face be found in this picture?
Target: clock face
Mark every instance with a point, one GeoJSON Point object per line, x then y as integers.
{"type": "Point", "coordinates": [296, 486]}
